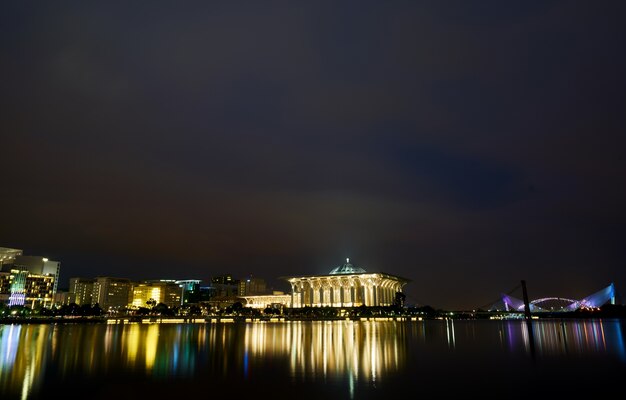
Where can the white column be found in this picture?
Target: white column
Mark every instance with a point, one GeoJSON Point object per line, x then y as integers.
{"type": "Point", "coordinates": [315, 284]}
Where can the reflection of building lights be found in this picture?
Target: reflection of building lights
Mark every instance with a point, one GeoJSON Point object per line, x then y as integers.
{"type": "Point", "coordinates": [22, 357]}
{"type": "Point", "coordinates": [578, 337]}
{"type": "Point", "coordinates": [132, 343]}
{"type": "Point", "coordinates": [361, 350]}
{"type": "Point", "coordinates": [349, 351]}
{"type": "Point", "coordinates": [9, 340]}
{"type": "Point", "coordinates": [151, 343]}
{"type": "Point", "coordinates": [450, 332]}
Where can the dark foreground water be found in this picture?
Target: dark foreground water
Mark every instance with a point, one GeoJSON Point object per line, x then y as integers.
{"type": "Point", "coordinates": [315, 360]}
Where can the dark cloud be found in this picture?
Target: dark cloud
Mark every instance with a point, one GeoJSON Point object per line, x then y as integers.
{"type": "Point", "coordinates": [464, 147]}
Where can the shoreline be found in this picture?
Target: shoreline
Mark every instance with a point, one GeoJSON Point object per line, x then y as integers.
{"type": "Point", "coordinates": [277, 319]}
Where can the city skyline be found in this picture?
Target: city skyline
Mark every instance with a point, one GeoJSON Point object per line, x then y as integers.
{"type": "Point", "coordinates": [505, 301]}
{"type": "Point", "coordinates": [463, 146]}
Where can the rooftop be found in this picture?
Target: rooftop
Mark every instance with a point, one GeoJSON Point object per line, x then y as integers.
{"type": "Point", "coordinates": [347, 268]}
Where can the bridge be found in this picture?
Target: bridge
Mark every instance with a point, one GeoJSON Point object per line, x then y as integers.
{"type": "Point", "coordinates": [552, 304]}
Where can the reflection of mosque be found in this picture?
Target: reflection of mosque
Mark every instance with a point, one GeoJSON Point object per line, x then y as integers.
{"type": "Point", "coordinates": [345, 286]}
{"type": "Point", "coordinates": [359, 351]}
{"type": "Point", "coordinates": [363, 351]}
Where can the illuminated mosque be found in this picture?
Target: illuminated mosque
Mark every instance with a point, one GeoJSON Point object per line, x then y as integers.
{"type": "Point", "coordinates": [560, 304]}
{"type": "Point", "coordinates": [345, 286]}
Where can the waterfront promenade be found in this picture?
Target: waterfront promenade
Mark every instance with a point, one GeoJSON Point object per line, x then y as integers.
{"type": "Point", "coordinates": [607, 311]}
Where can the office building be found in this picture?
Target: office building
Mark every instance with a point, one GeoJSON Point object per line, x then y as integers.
{"type": "Point", "coordinates": [225, 286]}
{"type": "Point", "coordinates": [252, 287]}
{"type": "Point", "coordinates": [190, 291]}
{"type": "Point", "coordinates": [27, 280]}
{"type": "Point", "coordinates": [112, 294]}
{"type": "Point", "coordinates": [81, 291]}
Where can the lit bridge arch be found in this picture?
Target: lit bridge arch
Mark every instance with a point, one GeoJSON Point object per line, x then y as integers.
{"type": "Point", "coordinates": [553, 304]}
{"type": "Point", "coordinates": [594, 300]}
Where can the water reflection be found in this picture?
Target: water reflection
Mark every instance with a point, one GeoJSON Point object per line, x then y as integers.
{"type": "Point", "coordinates": [154, 349]}
{"type": "Point", "coordinates": [330, 350]}
{"type": "Point", "coordinates": [364, 350]}
{"type": "Point", "coordinates": [450, 333]}
{"type": "Point", "coordinates": [557, 338]}
{"type": "Point", "coordinates": [23, 351]}
{"type": "Point", "coordinates": [34, 358]}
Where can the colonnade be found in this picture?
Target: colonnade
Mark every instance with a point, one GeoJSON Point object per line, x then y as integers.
{"type": "Point", "coordinates": [370, 289]}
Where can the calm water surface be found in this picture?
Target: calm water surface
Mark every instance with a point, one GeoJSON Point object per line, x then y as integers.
{"type": "Point", "coordinates": [313, 360]}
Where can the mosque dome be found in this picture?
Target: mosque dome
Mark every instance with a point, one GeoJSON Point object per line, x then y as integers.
{"type": "Point", "coordinates": [347, 268]}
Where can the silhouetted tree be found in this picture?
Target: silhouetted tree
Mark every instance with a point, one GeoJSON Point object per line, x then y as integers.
{"type": "Point", "coordinates": [237, 306]}
{"type": "Point", "coordinates": [142, 311]}
{"type": "Point", "coordinates": [96, 310]}
{"type": "Point", "coordinates": [70, 309]}
{"type": "Point", "coordinates": [195, 310]}
{"type": "Point", "coordinates": [162, 309]}
{"type": "Point", "coordinates": [151, 303]}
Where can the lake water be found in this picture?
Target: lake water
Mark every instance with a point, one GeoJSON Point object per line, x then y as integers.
{"type": "Point", "coordinates": [315, 360]}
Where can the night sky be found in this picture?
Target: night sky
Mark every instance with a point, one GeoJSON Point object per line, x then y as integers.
{"type": "Point", "coordinates": [462, 145]}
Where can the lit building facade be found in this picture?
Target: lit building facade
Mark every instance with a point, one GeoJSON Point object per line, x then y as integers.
{"type": "Point", "coordinates": [166, 292]}
{"type": "Point", "coordinates": [61, 297]}
{"type": "Point", "coordinates": [264, 301]}
{"type": "Point", "coordinates": [37, 265]}
{"type": "Point", "coordinates": [20, 287]}
{"type": "Point", "coordinates": [81, 290]}
{"type": "Point", "coordinates": [190, 290]}
{"type": "Point", "coordinates": [27, 280]}
{"type": "Point", "coordinates": [345, 286]}
{"type": "Point", "coordinates": [112, 293]}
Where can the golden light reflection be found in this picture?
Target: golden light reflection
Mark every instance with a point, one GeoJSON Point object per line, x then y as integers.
{"type": "Point", "coordinates": [131, 343]}
{"type": "Point", "coordinates": [24, 351]}
{"type": "Point", "coordinates": [362, 350]}
{"type": "Point", "coordinates": [151, 343]}
{"type": "Point", "coordinates": [348, 351]}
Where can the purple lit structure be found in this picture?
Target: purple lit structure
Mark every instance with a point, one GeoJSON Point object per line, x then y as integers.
{"type": "Point", "coordinates": [594, 300]}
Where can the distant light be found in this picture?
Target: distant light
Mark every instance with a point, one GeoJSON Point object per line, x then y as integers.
{"type": "Point", "coordinates": [347, 261]}
{"type": "Point", "coordinates": [45, 259]}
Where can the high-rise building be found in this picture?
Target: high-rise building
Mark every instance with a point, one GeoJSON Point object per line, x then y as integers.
{"type": "Point", "coordinates": [112, 294]}
{"type": "Point", "coordinates": [225, 286]}
{"type": "Point", "coordinates": [61, 297]}
{"type": "Point", "coordinates": [19, 287]}
{"type": "Point", "coordinates": [190, 291]}
{"type": "Point", "coordinates": [40, 266]}
{"type": "Point", "coordinates": [28, 280]}
{"type": "Point", "coordinates": [252, 287]}
{"type": "Point", "coordinates": [224, 280]}
{"type": "Point", "coordinates": [81, 290]}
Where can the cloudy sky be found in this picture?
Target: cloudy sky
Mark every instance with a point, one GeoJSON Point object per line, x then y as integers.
{"type": "Point", "coordinates": [462, 145]}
